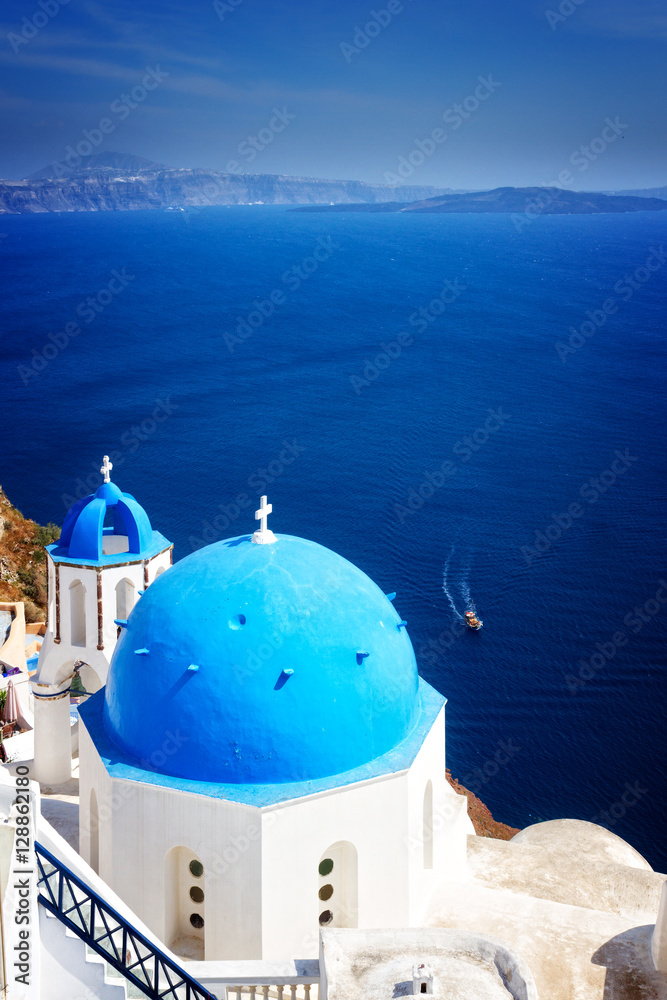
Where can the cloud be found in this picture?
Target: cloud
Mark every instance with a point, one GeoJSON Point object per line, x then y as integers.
{"type": "Point", "coordinates": [619, 19]}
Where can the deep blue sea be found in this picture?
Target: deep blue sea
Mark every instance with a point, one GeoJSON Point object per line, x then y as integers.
{"type": "Point", "coordinates": [440, 470]}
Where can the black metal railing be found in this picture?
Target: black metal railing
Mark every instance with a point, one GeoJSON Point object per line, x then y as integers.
{"type": "Point", "coordinates": [101, 927]}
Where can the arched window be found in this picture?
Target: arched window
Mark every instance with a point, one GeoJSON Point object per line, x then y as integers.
{"type": "Point", "coordinates": [94, 822]}
{"type": "Point", "coordinates": [185, 903]}
{"type": "Point", "coordinates": [338, 895]}
{"type": "Point", "coordinates": [125, 599]}
{"type": "Point", "coordinates": [77, 604]}
{"type": "Point", "coordinates": [427, 825]}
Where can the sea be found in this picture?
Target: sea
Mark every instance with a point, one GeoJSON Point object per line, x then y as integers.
{"type": "Point", "coordinates": [468, 407]}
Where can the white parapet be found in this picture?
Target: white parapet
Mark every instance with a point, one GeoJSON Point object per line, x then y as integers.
{"type": "Point", "coordinates": [659, 938]}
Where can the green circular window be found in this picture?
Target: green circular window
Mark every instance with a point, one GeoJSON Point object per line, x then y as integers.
{"type": "Point", "coordinates": [196, 921]}
{"type": "Point", "coordinates": [326, 916]}
{"type": "Point", "coordinates": [196, 869]}
{"type": "Point", "coordinates": [326, 866]}
{"type": "Point", "coordinates": [196, 894]}
{"type": "Point", "coordinates": [326, 892]}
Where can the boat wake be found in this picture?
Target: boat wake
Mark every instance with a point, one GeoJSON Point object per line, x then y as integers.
{"type": "Point", "coordinates": [465, 589]}
{"type": "Point", "coordinates": [446, 589]}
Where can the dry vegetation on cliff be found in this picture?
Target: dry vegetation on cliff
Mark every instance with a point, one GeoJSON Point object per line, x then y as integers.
{"type": "Point", "coordinates": [23, 560]}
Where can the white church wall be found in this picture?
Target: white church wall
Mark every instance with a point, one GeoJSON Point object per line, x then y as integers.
{"type": "Point", "coordinates": [370, 817]}
{"type": "Point", "coordinates": [436, 841]}
{"type": "Point", "coordinates": [263, 888]}
{"type": "Point", "coordinates": [95, 831]}
{"type": "Point", "coordinates": [158, 564]}
{"type": "Point", "coordinates": [141, 824]}
{"type": "Point", "coordinates": [51, 594]}
{"type": "Point", "coordinates": [202, 829]}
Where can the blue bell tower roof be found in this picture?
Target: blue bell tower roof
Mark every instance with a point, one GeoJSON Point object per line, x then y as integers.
{"type": "Point", "coordinates": [85, 539]}
{"type": "Point", "coordinates": [275, 663]}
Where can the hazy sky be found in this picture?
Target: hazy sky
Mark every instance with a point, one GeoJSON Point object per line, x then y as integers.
{"type": "Point", "coordinates": [358, 85]}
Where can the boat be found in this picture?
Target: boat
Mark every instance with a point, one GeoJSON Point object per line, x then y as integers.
{"type": "Point", "coordinates": [471, 619]}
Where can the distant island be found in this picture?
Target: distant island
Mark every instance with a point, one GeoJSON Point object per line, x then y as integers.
{"type": "Point", "coordinates": [119, 182]}
{"type": "Point", "coordinates": [528, 201]}
{"type": "Point", "coordinates": [115, 182]}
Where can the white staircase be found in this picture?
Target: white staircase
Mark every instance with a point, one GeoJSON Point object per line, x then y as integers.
{"type": "Point", "coordinates": [67, 968]}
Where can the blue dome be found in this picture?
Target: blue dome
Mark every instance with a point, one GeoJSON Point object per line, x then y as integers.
{"type": "Point", "coordinates": [273, 663]}
{"type": "Point", "coordinates": [84, 535]}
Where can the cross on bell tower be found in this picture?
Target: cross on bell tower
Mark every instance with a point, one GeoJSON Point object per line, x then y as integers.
{"type": "Point", "coordinates": [107, 466]}
{"type": "Point", "coordinates": [263, 535]}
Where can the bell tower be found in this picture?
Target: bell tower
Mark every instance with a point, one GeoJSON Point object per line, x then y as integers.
{"type": "Point", "coordinates": [106, 556]}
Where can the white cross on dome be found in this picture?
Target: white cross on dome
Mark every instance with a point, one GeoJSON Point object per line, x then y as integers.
{"type": "Point", "coordinates": [263, 535]}
{"type": "Point", "coordinates": [107, 466]}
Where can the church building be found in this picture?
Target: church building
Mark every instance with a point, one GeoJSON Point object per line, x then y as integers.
{"type": "Point", "coordinates": [262, 800]}
{"type": "Point", "coordinates": [264, 759]}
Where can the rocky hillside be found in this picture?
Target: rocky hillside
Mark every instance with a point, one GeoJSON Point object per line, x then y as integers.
{"type": "Point", "coordinates": [109, 189]}
{"type": "Point", "coordinates": [23, 560]}
{"type": "Point", "coordinates": [484, 823]}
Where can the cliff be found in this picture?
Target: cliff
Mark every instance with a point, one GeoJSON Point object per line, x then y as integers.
{"type": "Point", "coordinates": [484, 823]}
{"type": "Point", "coordinates": [23, 560]}
{"type": "Point", "coordinates": [109, 189]}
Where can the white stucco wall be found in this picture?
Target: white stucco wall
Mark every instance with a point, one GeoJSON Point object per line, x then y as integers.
{"type": "Point", "coordinates": [449, 825]}
{"type": "Point", "coordinates": [140, 824]}
{"type": "Point", "coordinates": [261, 878]}
{"type": "Point", "coordinates": [372, 817]}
